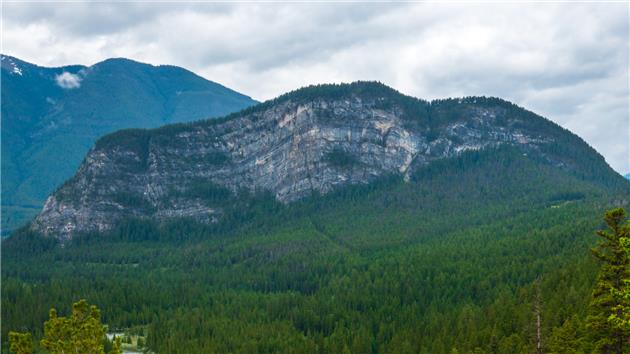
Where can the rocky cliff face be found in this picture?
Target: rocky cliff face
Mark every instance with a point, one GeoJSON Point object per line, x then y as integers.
{"type": "Point", "coordinates": [300, 143]}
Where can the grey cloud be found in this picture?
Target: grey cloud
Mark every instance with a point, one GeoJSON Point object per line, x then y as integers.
{"type": "Point", "coordinates": [86, 19]}
{"type": "Point", "coordinates": [274, 36]}
{"type": "Point", "coordinates": [568, 62]}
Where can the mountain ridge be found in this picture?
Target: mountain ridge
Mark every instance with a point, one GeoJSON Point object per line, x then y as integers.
{"type": "Point", "coordinates": [52, 116]}
{"type": "Point", "coordinates": [391, 265]}
{"type": "Point", "coordinates": [311, 140]}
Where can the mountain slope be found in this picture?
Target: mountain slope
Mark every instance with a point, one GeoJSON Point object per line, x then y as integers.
{"type": "Point", "coordinates": [309, 141]}
{"type": "Point", "coordinates": [52, 116]}
{"type": "Point", "coordinates": [318, 241]}
{"type": "Point", "coordinates": [444, 260]}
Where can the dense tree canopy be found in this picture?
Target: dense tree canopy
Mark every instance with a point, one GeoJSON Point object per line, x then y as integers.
{"type": "Point", "coordinates": [446, 262]}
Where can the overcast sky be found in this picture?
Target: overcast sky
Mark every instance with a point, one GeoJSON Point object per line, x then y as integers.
{"type": "Point", "coordinates": [566, 62]}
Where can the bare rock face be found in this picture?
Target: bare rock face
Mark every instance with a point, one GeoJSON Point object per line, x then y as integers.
{"type": "Point", "coordinates": [290, 147]}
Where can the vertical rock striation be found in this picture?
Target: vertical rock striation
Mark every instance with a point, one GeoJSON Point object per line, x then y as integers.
{"type": "Point", "coordinates": [311, 140]}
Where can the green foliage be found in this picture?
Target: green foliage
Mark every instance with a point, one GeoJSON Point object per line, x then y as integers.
{"type": "Point", "coordinates": [116, 347]}
{"type": "Point", "coordinates": [21, 343]}
{"type": "Point", "coordinates": [385, 97]}
{"type": "Point", "coordinates": [217, 158]}
{"type": "Point", "coordinates": [29, 243]}
{"type": "Point", "coordinates": [567, 196]}
{"type": "Point", "coordinates": [340, 158]}
{"type": "Point", "coordinates": [208, 191]}
{"type": "Point", "coordinates": [134, 140]}
{"type": "Point", "coordinates": [81, 332]}
{"type": "Point", "coordinates": [620, 318]}
{"type": "Point", "coordinates": [569, 338]}
{"type": "Point", "coordinates": [607, 306]}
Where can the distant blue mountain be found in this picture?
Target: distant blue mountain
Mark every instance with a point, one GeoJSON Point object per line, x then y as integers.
{"type": "Point", "coordinates": [52, 116]}
{"type": "Point", "coordinates": [627, 176]}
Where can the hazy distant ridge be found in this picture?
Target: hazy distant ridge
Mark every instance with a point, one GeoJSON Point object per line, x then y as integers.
{"type": "Point", "coordinates": [52, 116]}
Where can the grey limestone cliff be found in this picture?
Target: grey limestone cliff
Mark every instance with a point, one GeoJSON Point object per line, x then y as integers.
{"type": "Point", "coordinates": [291, 147]}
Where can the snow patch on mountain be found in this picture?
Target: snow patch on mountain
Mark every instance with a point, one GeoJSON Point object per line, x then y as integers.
{"type": "Point", "coordinates": [13, 68]}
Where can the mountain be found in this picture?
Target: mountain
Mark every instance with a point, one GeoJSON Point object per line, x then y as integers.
{"type": "Point", "coordinates": [52, 116]}
{"type": "Point", "coordinates": [627, 176]}
{"type": "Point", "coordinates": [333, 219]}
{"type": "Point", "coordinates": [310, 141]}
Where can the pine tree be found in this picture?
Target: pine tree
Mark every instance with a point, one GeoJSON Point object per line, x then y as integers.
{"type": "Point", "coordinates": [566, 338]}
{"type": "Point", "coordinates": [81, 332]}
{"type": "Point", "coordinates": [605, 334]}
{"type": "Point", "coordinates": [621, 317]}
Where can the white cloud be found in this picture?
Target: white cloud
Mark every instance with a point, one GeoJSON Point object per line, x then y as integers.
{"type": "Point", "coordinates": [68, 80]}
{"type": "Point", "coordinates": [567, 62]}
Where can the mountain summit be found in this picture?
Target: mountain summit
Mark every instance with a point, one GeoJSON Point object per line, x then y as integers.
{"type": "Point", "coordinates": [306, 142]}
{"type": "Point", "coordinates": [52, 116]}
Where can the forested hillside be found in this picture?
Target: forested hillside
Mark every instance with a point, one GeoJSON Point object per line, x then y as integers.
{"type": "Point", "coordinates": [309, 141]}
{"type": "Point", "coordinates": [450, 261]}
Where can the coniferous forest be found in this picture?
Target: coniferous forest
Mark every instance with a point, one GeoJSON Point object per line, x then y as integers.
{"type": "Point", "coordinates": [490, 252]}
{"type": "Point", "coordinates": [314, 177]}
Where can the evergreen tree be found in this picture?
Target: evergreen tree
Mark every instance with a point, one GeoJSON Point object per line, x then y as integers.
{"type": "Point", "coordinates": [21, 343]}
{"type": "Point", "coordinates": [81, 332]}
{"type": "Point", "coordinates": [607, 335]}
{"type": "Point", "coordinates": [566, 338]}
{"type": "Point", "coordinates": [621, 317]}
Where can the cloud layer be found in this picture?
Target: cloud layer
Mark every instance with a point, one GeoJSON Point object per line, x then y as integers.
{"type": "Point", "coordinates": [566, 62]}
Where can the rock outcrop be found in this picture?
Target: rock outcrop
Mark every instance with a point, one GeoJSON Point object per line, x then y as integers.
{"type": "Point", "coordinates": [311, 140]}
